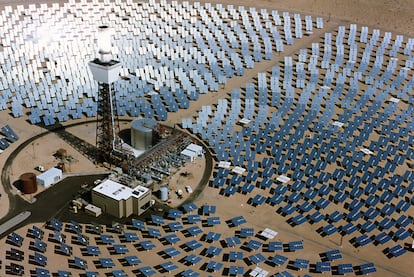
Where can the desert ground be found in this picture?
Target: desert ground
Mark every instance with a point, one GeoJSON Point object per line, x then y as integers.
{"type": "Point", "coordinates": [393, 16]}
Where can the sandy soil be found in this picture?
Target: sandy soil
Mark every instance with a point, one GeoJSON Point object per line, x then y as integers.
{"type": "Point", "coordinates": [395, 16]}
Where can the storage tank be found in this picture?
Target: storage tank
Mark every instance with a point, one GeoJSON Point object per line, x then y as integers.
{"type": "Point", "coordinates": [142, 133]}
{"type": "Point", "coordinates": [29, 183]}
{"type": "Point", "coordinates": [164, 193]}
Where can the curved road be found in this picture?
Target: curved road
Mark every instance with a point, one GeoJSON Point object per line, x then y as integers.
{"type": "Point", "coordinates": [43, 208]}
{"type": "Point", "coordinates": [53, 201]}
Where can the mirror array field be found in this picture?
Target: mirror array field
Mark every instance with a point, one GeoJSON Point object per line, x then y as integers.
{"type": "Point", "coordinates": [309, 122]}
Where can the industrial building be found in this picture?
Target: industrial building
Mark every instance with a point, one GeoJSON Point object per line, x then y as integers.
{"type": "Point", "coordinates": [49, 177]}
{"type": "Point", "coordinates": [119, 200]}
{"type": "Point", "coordinates": [192, 151]}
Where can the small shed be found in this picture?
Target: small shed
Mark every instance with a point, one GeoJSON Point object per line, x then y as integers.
{"type": "Point", "coordinates": [93, 210]}
{"type": "Point", "coordinates": [49, 177]}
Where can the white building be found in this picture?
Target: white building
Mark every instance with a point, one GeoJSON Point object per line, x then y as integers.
{"type": "Point", "coordinates": [188, 154]}
{"type": "Point", "coordinates": [195, 148]}
{"type": "Point", "coordinates": [93, 210]}
{"type": "Point", "coordinates": [192, 151]}
{"type": "Point", "coordinates": [119, 200]}
{"type": "Point", "coordinates": [49, 177]}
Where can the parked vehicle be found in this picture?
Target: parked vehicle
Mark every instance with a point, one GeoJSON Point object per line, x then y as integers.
{"type": "Point", "coordinates": [188, 189]}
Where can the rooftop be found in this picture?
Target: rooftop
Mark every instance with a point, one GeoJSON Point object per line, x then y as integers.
{"type": "Point", "coordinates": [118, 191]}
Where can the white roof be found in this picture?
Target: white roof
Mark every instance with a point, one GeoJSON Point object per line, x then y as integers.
{"type": "Point", "coordinates": [194, 147]}
{"type": "Point", "coordinates": [93, 208]}
{"type": "Point", "coordinates": [52, 172]}
{"type": "Point", "coordinates": [138, 191]}
{"type": "Point", "coordinates": [113, 190]}
{"type": "Point", "coordinates": [188, 153]}
{"type": "Point", "coordinates": [118, 191]}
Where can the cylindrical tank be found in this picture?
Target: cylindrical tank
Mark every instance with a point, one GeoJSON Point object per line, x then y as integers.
{"type": "Point", "coordinates": [142, 133]}
{"type": "Point", "coordinates": [164, 193]}
{"type": "Point", "coordinates": [29, 183]}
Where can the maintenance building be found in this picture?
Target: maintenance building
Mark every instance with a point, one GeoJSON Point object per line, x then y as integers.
{"type": "Point", "coordinates": [120, 200]}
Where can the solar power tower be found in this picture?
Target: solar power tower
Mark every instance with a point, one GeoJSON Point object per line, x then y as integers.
{"type": "Point", "coordinates": [105, 71]}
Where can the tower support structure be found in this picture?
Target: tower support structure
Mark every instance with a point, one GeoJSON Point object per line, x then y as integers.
{"type": "Point", "coordinates": [107, 122]}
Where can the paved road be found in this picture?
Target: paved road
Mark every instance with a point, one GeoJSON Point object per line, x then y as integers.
{"type": "Point", "coordinates": [14, 221]}
{"type": "Point", "coordinates": [54, 201]}
{"type": "Point", "coordinates": [49, 203]}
